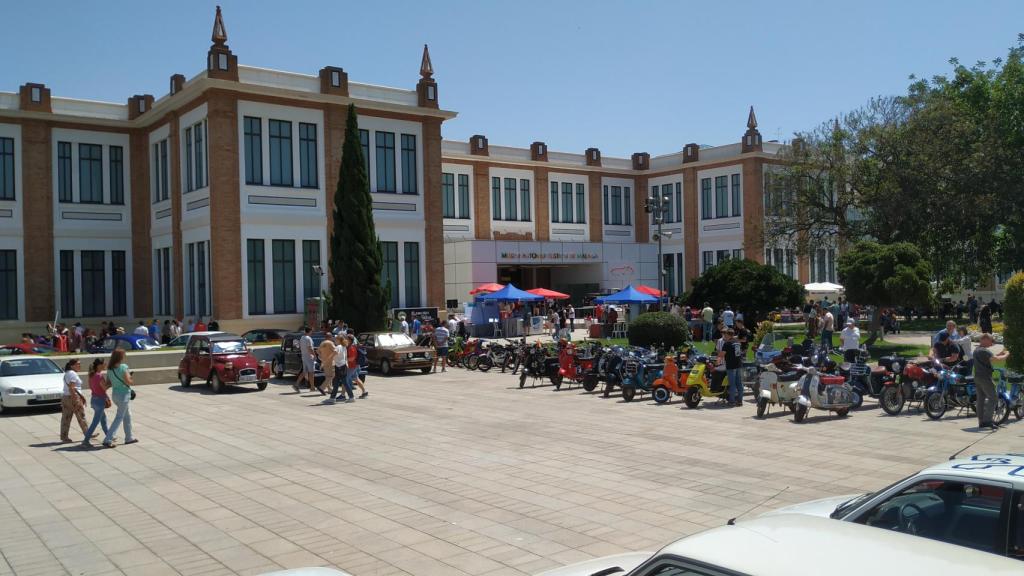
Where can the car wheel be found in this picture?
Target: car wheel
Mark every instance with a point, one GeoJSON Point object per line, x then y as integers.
{"type": "Point", "coordinates": [185, 380]}
{"type": "Point", "coordinates": [277, 369]}
{"type": "Point", "coordinates": [762, 407]}
{"type": "Point", "coordinates": [425, 369]}
{"type": "Point", "coordinates": [385, 367]}
{"type": "Point", "coordinates": [215, 384]}
{"type": "Point", "coordinates": [661, 395]}
{"type": "Point", "coordinates": [628, 392]}
{"type": "Point", "coordinates": [261, 386]}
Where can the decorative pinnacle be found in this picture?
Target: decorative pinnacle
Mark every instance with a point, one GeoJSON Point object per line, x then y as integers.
{"type": "Point", "coordinates": [751, 119]}
{"type": "Point", "coordinates": [426, 68]}
{"type": "Point", "coordinates": [220, 33]}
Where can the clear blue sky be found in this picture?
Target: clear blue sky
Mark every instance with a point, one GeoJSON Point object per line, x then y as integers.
{"type": "Point", "coordinates": [623, 76]}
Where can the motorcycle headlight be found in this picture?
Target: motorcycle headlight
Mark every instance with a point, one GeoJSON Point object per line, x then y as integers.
{"type": "Point", "coordinates": [15, 390]}
{"type": "Point", "coordinates": [896, 367]}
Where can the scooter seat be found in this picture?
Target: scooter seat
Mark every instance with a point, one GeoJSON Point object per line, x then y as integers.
{"type": "Point", "coordinates": [832, 380]}
{"type": "Point", "coordinates": [791, 376]}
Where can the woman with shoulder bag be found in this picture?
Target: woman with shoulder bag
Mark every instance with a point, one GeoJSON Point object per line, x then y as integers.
{"type": "Point", "coordinates": [119, 381]}
{"type": "Point", "coordinates": [99, 401]}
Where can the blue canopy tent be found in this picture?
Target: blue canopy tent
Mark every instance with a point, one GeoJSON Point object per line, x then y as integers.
{"type": "Point", "coordinates": [629, 295]}
{"type": "Point", "coordinates": [486, 313]}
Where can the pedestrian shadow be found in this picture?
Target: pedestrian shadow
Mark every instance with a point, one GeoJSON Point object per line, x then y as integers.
{"type": "Point", "coordinates": [51, 444]}
{"type": "Point", "coordinates": [206, 390]}
{"type": "Point", "coordinates": [32, 411]}
{"type": "Point", "coordinates": [77, 447]}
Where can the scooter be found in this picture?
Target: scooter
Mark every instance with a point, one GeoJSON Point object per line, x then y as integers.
{"type": "Point", "coordinates": [673, 377]}
{"type": "Point", "coordinates": [538, 365]}
{"type": "Point", "coordinates": [571, 366]}
{"type": "Point", "coordinates": [822, 392]}
{"type": "Point", "coordinates": [778, 388]}
{"type": "Point", "coordinates": [703, 382]}
{"type": "Point", "coordinates": [639, 370]}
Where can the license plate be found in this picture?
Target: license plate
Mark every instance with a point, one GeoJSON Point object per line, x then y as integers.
{"type": "Point", "coordinates": [248, 378]}
{"type": "Point", "coordinates": [48, 396]}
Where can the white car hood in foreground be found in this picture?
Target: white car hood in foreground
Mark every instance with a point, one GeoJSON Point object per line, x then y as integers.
{"type": "Point", "coordinates": [37, 383]}
{"type": "Point", "coordinates": [626, 562]}
{"type": "Point", "coordinates": [822, 508]}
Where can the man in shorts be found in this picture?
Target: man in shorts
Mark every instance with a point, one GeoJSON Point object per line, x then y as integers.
{"type": "Point", "coordinates": [441, 336]}
{"type": "Point", "coordinates": [308, 355]}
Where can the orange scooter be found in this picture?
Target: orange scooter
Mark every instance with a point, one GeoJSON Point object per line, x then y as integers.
{"type": "Point", "coordinates": [673, 379]}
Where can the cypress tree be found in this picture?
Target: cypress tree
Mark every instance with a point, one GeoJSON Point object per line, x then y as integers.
{"type": "Point", "coordinates": [357, 296]}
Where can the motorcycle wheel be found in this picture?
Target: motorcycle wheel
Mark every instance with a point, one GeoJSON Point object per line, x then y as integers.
{"type": "Point", "coordinates": [892, 400]}
{"type": "Point", "coordinates": [628, 392]}
{"type": "Point", "coordinates": [692, 398]}
{"type": "Point", "coordinates": [661, 394]}
{"type": "Point", "coordinates": [556, 379]}
{"type": "Point", "coordinates": [590, 382]}
{"type": "Point", "coordinates": [1018, 411]}
{"type": "Point", "coordinates": [522, 379]}
{"type": "Point", "coordinates": [484, 363]}
{"type": "Point", "coordinates": [1001, 412]}
{"type": "Point", "coordinates": [515, 365]}
{"type": "Point", "coordinates": [800, 413]}
{"type": "Point", "coordinates": [762, 407]}
{"type": "Point", "coordinates": [843, 412]}
{"type": "Point", "coordinates": [472, 362]}
{"type": "Point", "coordinates": [935, 405]}
{"type": "Point", "coordinates": [858, 399]}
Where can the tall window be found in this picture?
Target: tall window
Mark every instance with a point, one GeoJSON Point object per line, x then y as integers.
{"type": "Point", "coordinates": [162, 293]}
{"type": "Point", "coordinates": [617, 205]}
{"type": "Point", "coordinates": [495, 198]}
{"type": "Point", "coordinates": [409, 184]}
{"type": "Point", "coordinates": [627, 206]}
{"type": "Point", "coordinates": [159, 174]}
{"type": "Point", "coordinates": [364, 141]}
{"type": "Point", "coordinates": [567, 202]}
{"type": "Point", "coordinates": [308, 171]}
{"type": "Point", "coordinates": [668, 264]}
{"type": "Point", "coordinates": [511, 212]}
{"type": "Point", "coordinates": [284, 276]}
{"type": "Point", "coordinates": [722, 256]}
{"type": "Point", "coordinates": [8, 285]}
{"type": "Point", "coordinates": [705, 199]}
{"type": "Point", "coordinates": [581, 206]}
{"type": "Point", "coordinates": [280, 153]}
{"type": "Point", "coordinates": [823, 265]}
{"type": "Point", "coordinates": [679, 202]}
{"type": "Point", "coordinates": [385, 161]}
{"type": "Point", "coordinates": [666, 195]}
{"type": "Point", "coordinates": [412, 274]}
{"type": "Point", "coordinates": [90, 173]}
{"type": "Point", "coordinates": [553, 204]}
{"type": "Point", "coordinates": [119, 279]}
{"type": "Point", "coordinates": [94, 293]}
{"type": "Point", "coordinates": [67, 284]}
{"type": "Point", "coordinates": [721, 196]}
{"type": "Point", "coordinates": [64, 172]}
{"type": "Point", "coordinates": [202, 286]}
{"type": "Point", "coordinates": [256, 274]}
{"type": "Point", "coordinates": [199, 154]}
{"type": "Point", "coordinates": [448, 194]}
{"type": "Point", "coordinates": [116, 178]}
{"type": "Point", "coordinates": [191, 272]}
{"type": "Point", "coordinates": [253, 150]}
{"type": "Point", "coordinates": [737, 195]}
{"type": "Point", "coordinates": [6, 168]}
{"type": "Point", "coordinates": [189, 182]}
{"type": "Point", "coordinates": [310, 278]}
{"type": "Point", "coordinates": [464, 195]}
{"type": "Point", "coordinates": [389, 272]}
{"type": "Point", "coordinates": [707, 260]}
{"type": "Point", "coordinates": [605, 211]}
{"type": "Point", "coordinates": [524, 197]}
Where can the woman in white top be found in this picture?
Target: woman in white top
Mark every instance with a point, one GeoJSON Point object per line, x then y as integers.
{"type": "Point", "coordinates": [72, 404]}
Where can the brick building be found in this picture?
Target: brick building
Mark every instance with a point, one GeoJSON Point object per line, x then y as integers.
{"type": "Point", "coordinates": [216, 200]}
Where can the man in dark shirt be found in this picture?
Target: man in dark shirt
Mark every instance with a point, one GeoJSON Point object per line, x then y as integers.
{"type": "Point", "coordinates": [732, 355]}
{"type": "Point", "coordinates": [983, 383]}
{"type": "Point", "coordinates": [945, 350]}
{"type": "Point", "coordinates": [743, 336]}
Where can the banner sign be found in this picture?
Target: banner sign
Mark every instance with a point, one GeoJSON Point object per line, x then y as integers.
{"type": "Point", "coordinates": [549, 256]}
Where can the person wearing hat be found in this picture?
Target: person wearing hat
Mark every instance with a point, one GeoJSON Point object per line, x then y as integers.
{"type": "Point", "coordinates": [849, 341]}
{"type": "Point", "coordinates": [983, 383]}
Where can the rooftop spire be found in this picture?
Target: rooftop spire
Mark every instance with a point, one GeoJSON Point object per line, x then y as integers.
{"type": "Point", "coordinates": [426, 68]}
{"type": "Point", "coordinates": [751, 119]}
{"type": "Point", "coordinates": [220, 33]}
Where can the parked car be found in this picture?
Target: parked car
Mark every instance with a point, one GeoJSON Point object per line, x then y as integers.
{"type": "Point", "coordinates": [18, 349]}
{"type": "Point", "coordinates": [27, 381]}
{"type": "Point", "coordinates": [221, 360]}
{"type": "Point", "coordinates": [288, 360]}
{"type": "Point", "coordinates": [389, 351]}
{"type": "Point", "coordinates": [264, 335]}
{"type": "Point", "coordinates": [796, 545]}
{"type": "Point", "coordinates": [977, 502]}
{"type": "Point", "coordinates": [124, 342]}
{"type": "Point", "coordinates": [182, 340]}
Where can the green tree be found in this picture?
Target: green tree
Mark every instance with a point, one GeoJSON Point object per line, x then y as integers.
{"type": "Point", "coordinates": [357, 295]}
{"type": "Point", "coordinates": [658, 329]}
{"type": "Point", "coordinates": [751, 288]}
{"type": "Point", "coordinates": [885, 275]}
{"type": "Point", "coordinates": [1013, 321]}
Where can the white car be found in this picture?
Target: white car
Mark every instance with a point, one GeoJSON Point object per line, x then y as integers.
{"type": "Point", "coordinates": [796, 545]}
{"type": "Point", "coordinates": [976, 502]}
{"type": "Point", "coordinates": [29, 381]}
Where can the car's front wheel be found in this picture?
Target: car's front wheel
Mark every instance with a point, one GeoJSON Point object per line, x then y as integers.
{"type": "Point", "coordinates": [261, 386]}
{"type": "Point", "coordinates": [385, 367]}
{"type": "Point", "coordinates": [216, 384]}
{"type": "Point", "coordinates": [426, 369]}
{"type": "Point", "coordinates": [185, 380]}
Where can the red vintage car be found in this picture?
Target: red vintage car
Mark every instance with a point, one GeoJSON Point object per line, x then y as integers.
{"type": "Point", "coordinates": [221, 360]}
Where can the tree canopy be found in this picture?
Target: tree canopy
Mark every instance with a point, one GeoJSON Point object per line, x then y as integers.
{"type": "Point", "coordinates": [751, 288]}
{"type": "Point", "coordinates": [885, 274]}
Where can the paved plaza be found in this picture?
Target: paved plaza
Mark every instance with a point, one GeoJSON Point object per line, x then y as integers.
{"type": "Point", "coordinates": [452, 474]}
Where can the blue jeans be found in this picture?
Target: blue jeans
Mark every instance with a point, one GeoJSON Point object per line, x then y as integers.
{"type": "Point", "coordinates": [826, 340]}
{"type": "Point", "coordinates": [342, 377]}
{"type": "Point", "coordinates": [708, 329]}
{"type": "Point", "coordinates": [123, 402]}
{"type": "Point", "coordinates": [99, 415]}
{"type": "Point", "coordinates": [735, 384]}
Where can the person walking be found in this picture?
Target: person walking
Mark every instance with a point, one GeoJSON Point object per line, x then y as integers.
{"type": "Point", "coordinates": [983, 383]}
{"type": "Point", "coordinates": [707, 315]}
{"type": "Point", "coordinates": [119, 382]}
{"type": "Point", "coordinates": [340, 362]}
{"type": "Point", "coordinates": [98, 400]}
{"type": "Point", "coordinates": [72, 403]}
{"type": "Point", "coordinates": [441, 335]}
{"type": "Point", "coordinates": [308, 356]}
{"type": "Point", "coordinates": [326, 351]}
{"type": "Point", "coordinates": [356, 361]}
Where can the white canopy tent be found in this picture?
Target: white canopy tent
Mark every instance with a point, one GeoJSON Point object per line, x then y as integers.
{"type": "Point", "coordinates": [823, 289]}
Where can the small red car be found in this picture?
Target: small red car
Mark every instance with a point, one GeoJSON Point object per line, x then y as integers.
{"type": "Point", "coordinates": [221, 360]}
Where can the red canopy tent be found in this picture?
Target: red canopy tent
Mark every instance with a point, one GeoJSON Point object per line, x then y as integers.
{"type": "Point", "coordinates": [548, 293]}
{"type": "Point", "coordinates": [648, 290]}
{"type": "Point", "coordinates": [486, 288]}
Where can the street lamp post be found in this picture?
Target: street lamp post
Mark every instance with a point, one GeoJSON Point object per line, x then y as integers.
{"type": "Point", "coordinates": [658, 206]}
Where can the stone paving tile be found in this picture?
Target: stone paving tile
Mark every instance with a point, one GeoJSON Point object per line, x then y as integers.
{"type": "Point", "coordinates": [462, 474]}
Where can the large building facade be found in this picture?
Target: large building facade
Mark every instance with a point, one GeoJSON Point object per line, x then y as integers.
{"type": "Point", "coordinates": [216, 200]}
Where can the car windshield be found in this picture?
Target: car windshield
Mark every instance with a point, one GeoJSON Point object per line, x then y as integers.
{"type": "Point", "coordinates": [28, 367]}
{"type": "Point", "coordinates": [393, 340]}
{"type": "Point", "coordinates": [854, 503]}
{"type": "Point", "coordinates": [229, 347]}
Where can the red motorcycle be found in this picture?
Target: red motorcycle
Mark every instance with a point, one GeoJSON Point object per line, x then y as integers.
{"type": "Point", "coordinates": [571, 366]}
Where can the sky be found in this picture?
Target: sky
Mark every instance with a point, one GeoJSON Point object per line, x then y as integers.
{"type": "Point", "coordinates": [637, 76]}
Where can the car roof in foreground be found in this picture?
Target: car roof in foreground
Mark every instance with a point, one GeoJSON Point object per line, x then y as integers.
{"type": "Point", "coordinates": [794, 544]}
{"type": "Point", "coordinates": [1005, 467]}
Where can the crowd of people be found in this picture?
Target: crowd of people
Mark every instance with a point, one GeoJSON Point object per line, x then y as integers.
{"type": "Point", "coordinates": [78, 338]}
{"type": "Point", "coordinates": [110, 384]}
